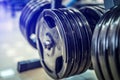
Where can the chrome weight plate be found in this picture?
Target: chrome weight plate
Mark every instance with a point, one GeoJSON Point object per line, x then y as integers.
{"type": "Point", "coordinates": [55, 69]}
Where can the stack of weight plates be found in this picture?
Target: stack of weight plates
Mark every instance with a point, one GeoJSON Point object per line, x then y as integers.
{"type": "Point", "coordinates": [64, 40]}
{"type": "Point", "coordinates": [105, 47]}
{"type": "Point", "coordinates": [29, 17]}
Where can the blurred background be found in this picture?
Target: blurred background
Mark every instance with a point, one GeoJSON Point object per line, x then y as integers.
{"type": "Point", "coordinates": [14, 48]}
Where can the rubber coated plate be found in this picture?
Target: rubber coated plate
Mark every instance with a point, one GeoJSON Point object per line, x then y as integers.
{"type": "Point", "coordinates": [113, 45]}
{"type": "Point", "coordinates": [85, 41]}
{"type": "Point", "coordinates": [31, 22]}
{"type": "Point", "coordinates": [88, 33]}
{"type": "Point", "coordinates": [92, 15]}
{"type": "Point", "coordinates": [72, 44]}
{"type": "Point", "coordinates": [66, 39]}
{"type": "Point", "coordinates": [94, 47]}
{"type": "Point", "coordinates": [102, 56]}
{"type": "Point", "coordinates": [75, 32]}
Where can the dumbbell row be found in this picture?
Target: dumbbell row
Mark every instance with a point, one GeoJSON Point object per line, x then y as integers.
{"type": "Point", "coordinates": [64, 39]}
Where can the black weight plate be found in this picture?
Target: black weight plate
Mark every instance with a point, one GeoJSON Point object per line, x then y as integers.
{"type": "Point", "coordinates": [92, 15]}
{"type": "Point", "coordinates": [64, 45]}
{"type": "Point", "coordinates": [94, 47]}
{"type": "Point", "coordinates": [34, 6]}
{"type": "Point", "coordinates": [82, 58]}
{"type": "Point", "coordinates": [88, 33]}
{"type": "Point", "coordinates": [74, 26]}
{"type": "Point", "coordinates": [31, 21]}
{"type": "Point", "coordinates": [113, 45]}
{"type": "Point", "coordinates": [118, 49]}
{"type": "Point", "coordinates": [28, 8]}
{"type": "Point", "coordinates": [71, 43]}
{"type": "Point", "coordinates": [85, 41]}
{"type": "Point", "coordinates": [74, 40]}
{"type": "Point", "coordinates": [23, 15]}
{"type": "Point", "coordinates": [102, 49]}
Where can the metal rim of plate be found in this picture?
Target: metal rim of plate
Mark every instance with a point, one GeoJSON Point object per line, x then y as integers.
{"type": "Point", "coordinates": [113, 45]}
{"type": "Point", "coordinates": [60, 27]}
{"type": "Point", "coordinates": [74, 27]}
{"type": "Point", "coordinates": [94, 49]}
{"type": "Point", "coordinates": [71, 53]}
{"type": "Point", "coordinates": [92, 15]}
{"type": "Point", "coordinates": [102, 56]}
{"type": "Point", "coordinates": [38, 30]}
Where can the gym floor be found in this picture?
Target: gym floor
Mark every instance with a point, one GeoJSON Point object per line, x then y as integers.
{"type": "Point", "coordinates": [14, 48]}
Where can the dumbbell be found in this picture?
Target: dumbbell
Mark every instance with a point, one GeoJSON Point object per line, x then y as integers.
{"type": "Point", "coordinates": [64, 39]}
{"type": "Point", "coordinates": [105, 47]}
{"type": "Point", "coordinates": [29, 17]}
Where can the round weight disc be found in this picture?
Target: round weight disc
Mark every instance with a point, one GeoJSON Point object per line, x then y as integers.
{"type": "Point", "coordinates": [102, 56]}
{"type": "Point", "coordinates": [72, 18]}
{"type": "Point", "coordinates": [94, 47]}
{"type": "Point", "coordinates": [85, 42]}
{"type": "Point", "coordinates": [72, 47]}
{"type": "Point", "coordinates": [113, 45]}
{"type": "Point", "coordinates": [31, 22]}
{"type": "Point", "coordinates": [63, 41]}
